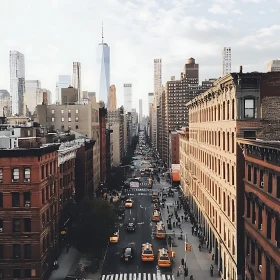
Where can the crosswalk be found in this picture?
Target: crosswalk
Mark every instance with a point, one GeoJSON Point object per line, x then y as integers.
{"type": "Point", "coordinates": [137, 276]}
{"type": "Point", "coordinates": [133, 194]}
{"type": "Point", "coordinates": [139, 190]}
{"type": "Point", "coordinates": [144, 184]}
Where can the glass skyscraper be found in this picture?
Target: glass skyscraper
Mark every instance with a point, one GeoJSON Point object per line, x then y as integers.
{"type": "Point", "coordinates": [17, 82]}
{"type": "Point", "coordinates": [103, 60]}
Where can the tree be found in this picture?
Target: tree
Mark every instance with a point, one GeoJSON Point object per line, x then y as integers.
{"type": "Point", "coordinates": [95, 223]}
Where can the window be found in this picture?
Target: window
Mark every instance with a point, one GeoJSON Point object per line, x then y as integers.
{"type": "Point", "coordinates": [269, 187]}
{"type": "Point", "coordinates": [15, 175]}
{"type": "Point", "coordinates": [27, 251]}
{"type": "Point", "coordinates": [76, 119]}
{"type": "Point", "coordinates": [77, 126]}
{"type": "Point", "coordinates": [69, 119]}
{"type": "Point", "coordinates": [16, 225]}
{"type": "Point", "coordinates": [62, 111]}
{"type": "Point", "coordinates": [27, 273]}
{"type": "Point", "coordinates": [249, 169]}
{"type": "Point", "coordinates": [1, 175]}
{"type": "Point", "coordinates": [1, 273]}
{"type": "Point", "coordinates": [51, 167]}
{"type": "Point", "coordinates": [62, 119]}
{"type": "Point", "coordinates": [52, 119]}
{"type": "Point", "coordinates": [52, 111]}
{"type": "Point", "coordinates": [77, 111]}
{"type": "Point", "coordinates": [43, 196]}
{"type": "Point", "coordinates": [261, 179]}
{"type": "Point", "coordinates": [26, 174]}
{"type": "Point", "coordinates": [232, 109]}
{"type": "Point", "coordinates": [1, 200]}
{"type": "Point", "coordinates": [16, 251]}
{"type": "Point", "coordinates": [47, 170]}
{"type": "Point", "coordinates": [249, 108]}
{"type": "Point", "coordinates": [1, 252]}
{"type": "Point", "coordinates": [27, 224]}
{"type": "Point", "coordinates": [15, 199]}
{"type": "Point", "coordinates": [233, 210]}
{"type": "Point", "coordinates": [1, 224]}
{"type": "Point", "coordinates": [42, 172]}
{"type": "Point", "coordinates": [26, 199]}
{"type": "Point", "coordinates": [16, 273]}
{"type": "Point", "coordinates": [278, 187]}
{"type": "Point", "coordinates": [255, 175]}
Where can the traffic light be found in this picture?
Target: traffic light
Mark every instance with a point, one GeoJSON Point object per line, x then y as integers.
{"type": "Point", "coordinates": [188, 247]}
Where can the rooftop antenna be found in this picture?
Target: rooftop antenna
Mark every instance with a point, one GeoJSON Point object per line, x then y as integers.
{"type": "Point", "coordinates": [102, 33]}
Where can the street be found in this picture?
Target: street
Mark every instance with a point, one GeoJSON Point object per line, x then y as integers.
{"type": "Point", "coordinates": [113, 267]}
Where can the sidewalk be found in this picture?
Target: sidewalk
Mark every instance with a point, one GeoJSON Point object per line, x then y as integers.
{"type": "Point", "coordinates": [68, 262]}
{"type": "Point", "coordinates": [198, 262]}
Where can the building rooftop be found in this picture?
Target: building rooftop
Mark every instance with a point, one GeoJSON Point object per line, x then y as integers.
{"type": "Point", "coordinates": [275, 145]}
{"type": "Point", "coordinates": [4, 93]}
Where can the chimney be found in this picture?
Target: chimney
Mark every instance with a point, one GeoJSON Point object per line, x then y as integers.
{"type": "Point", "coordinates": [240, 69]}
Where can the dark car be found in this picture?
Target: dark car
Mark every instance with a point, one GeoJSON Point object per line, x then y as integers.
{"type": "Point", "coordinates": [127, 254]}
{"type": "Point", "coordinates": [131, 226]}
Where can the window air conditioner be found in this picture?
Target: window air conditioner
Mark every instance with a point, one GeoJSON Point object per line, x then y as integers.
{"type": "Point", "coordinates": [1, 230]}
{"type": "Point", "coordinates": [262, 184]}
{"type": "Point", "coordinates": [27, 205]}
{"type": "Point", "coordinates": [260, 268]}
{"type": "Point", "coordinates": [261, 227]}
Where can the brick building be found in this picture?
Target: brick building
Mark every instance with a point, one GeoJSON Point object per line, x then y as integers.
{"type": "Point", "coordinates": [174, 148]}
{"type": "Point", "coordinates": [29, 211]}
{"type": "Point", "coordinates": [84, 170]}
{"type": "Point", "coordinates": [262, 209]}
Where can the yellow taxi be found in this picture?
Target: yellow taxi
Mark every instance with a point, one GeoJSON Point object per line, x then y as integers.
{"type": "Point", "coordinates": [155, 197]}
{"type": "Point", "coordinates": [160, 230]}
{"type": "Point", "coordinates": [128, 203]}
{"type": "Point", "coordinates": [156, 216]}
{"type": "Point", "coordinates": [164, 258]}
{"type": "Point", "coordinates": [147, 253]}
{"type": "Point", "coordinates": [115, 238]}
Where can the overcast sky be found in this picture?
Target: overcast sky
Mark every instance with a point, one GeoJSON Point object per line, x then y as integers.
{"type": "Point", "coordinates": [54, 33]}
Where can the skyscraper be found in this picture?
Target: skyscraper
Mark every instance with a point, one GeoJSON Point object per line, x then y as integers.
{"type": "Point", "coordinates": [157, 78]}
{"type": "Point", "coordinates": [127, 94]}
{"type": "Point", "coordinates": [33, 95]}
{"type": "Point", "coordinates": [17, 82]}
{"type": "Point", "coordinates": [76, 78]}
{"type": "Point", "coordinates": [64, 81]}
{"type": "Point", "coordinates": [113, 98]}
{"type": "Point", "coordinates": [273, 66]}
{"type": "Point", "coordinates": [140, 110]}
{"type": "Point", "coordinates": [226, 60]}
{"type": "Point", "coordinates": [103, 60]}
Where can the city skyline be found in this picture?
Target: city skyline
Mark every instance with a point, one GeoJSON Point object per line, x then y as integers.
{"type": "Point", "coordinates": [203, 35]}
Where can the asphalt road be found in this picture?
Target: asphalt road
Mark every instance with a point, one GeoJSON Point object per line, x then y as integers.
{"type": "Point", "coordinates": [142, 213]}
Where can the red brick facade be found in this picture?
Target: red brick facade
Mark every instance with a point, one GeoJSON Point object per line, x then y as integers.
{"type": "Point", "coordinates": [29, 212]}
{"type": "Point", "coordinates": [262, 209]}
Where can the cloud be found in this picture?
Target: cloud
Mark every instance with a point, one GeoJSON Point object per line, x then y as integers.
{"type": "Point", "coordinates": [221, 7]}
{"type": "Point", "coordinates": [236, 11]}
{"type": "Point", "coordinates": [254, 1]}
{"type": "Point", "coordinates": [262, 12]}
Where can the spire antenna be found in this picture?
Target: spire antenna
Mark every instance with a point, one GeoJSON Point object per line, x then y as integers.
{"type": "Point", "coordinates": [102, 33]}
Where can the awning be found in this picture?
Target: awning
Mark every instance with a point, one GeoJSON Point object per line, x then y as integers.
{"type": "Point", "coordinates": [175, 176]}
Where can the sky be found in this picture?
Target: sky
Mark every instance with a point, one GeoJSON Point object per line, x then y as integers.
{"type": "Point", "coordinates": [54, 33]}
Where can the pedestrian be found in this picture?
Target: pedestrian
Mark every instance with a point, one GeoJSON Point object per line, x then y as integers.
{"type": "Point", "coordinates": [192, 230]}
{"type": "Point", "coordinates": [174, 224]}
{"type": "Point", "coordinates": [182, 218]}
{"type": "Point", "coordinates": [182, 262]}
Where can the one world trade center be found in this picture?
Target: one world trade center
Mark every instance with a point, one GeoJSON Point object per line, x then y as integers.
{"type": "Point", "coordinates": [103, 60]}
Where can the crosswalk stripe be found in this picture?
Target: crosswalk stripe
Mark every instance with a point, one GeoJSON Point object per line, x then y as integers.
{"type": "Point", "coordinates": [138, 276]}
{"type": "Point", "coordinates": [144, 276]}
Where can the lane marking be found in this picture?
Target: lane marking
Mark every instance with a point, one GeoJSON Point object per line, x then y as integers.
{"type": "Point", "coordinates": [149, 276]}
{"type": "Point", "coordinates": [117, 277]}
{"type": "Point", "coordinates": [134, 276]}
{"type": "Point", "coordinates": [121, 276]}
{"type": "Point", "coordinates": [125, 276]}
{"type": "Point", "coordinates": [103, 277]}
{"type": "Point", "coordinates": [130, 276]}
{"type": "Point", "coordinates": [144, 276]}
{"type": "Point", "coordinates": [154, 277]}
